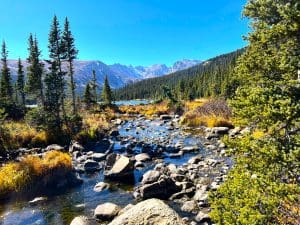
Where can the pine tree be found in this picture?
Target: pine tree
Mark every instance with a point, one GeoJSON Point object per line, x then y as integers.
{"type": "Point", "coordinates": [56, 54]}
{"type": "Point", "coordinates": [69, 54]}
{"type": "Point", "coordinates": [94, 86]}
{"type": "Point", "coordinates": [34, 85]}
{"type": "Point", "coordinates": [6, 90]}
{"type": "Point", "coordinates": [263, 187]}
{"type": "Point", "coordinates": [52, 99]}
{"type": "Point", "coordinates": [21, 83]}
{"type": "Point", "coordinates": [107, 93]}
{"type": "Point", "coordinates": [87, 96]}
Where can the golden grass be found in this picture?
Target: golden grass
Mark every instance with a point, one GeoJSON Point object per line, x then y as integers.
{"type": "Point", "coordinates": [192, 105]}
{"type": "Point", "coordinates": [15, 176]}
{"type": "Point", "coordinates": [207, 112]}
{"type": "Point", "coordinates": [147, 110]}
{"type": "Point", "coordinates": [21, 134]}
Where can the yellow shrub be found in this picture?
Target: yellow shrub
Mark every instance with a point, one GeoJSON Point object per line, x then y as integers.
{"type": "Point", "coordinates": [147, 110]}
{"type": "Point", "coordinates": [257, 134]}
{"type": "Point", "coordinates": [15, 176]}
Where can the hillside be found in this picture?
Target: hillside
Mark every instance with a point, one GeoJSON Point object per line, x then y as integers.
{"type": "Point", "coordinates": [209, 78]}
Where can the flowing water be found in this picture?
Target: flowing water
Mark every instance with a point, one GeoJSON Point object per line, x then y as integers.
{"type": "Point", "coordinates": [62, 206]}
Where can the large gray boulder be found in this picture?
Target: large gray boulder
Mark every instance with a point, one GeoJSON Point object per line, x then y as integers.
{"type": "Point", "coordinates": [121, 170]}
{"type": "Point", "coordinates": [106, 211]}
{"type": "Point", "coordinates": [149, 212]}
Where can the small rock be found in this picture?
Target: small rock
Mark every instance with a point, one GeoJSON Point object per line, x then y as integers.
{"type": "Point", "coordinates": [37, 200]}
{"type": "Point", "coordinates": [202, 217]}
{"type": "Point", "coordinates": [81, 220]}
{"type": "Point", "coordinates": [150, 176]}
{"type": "Point", "coordinates": [143, 157]}
{"type": "Point", "coordinates": [189, 206]}
{"type": "Point", "coordinates": [55, 147]}
{"type": "Point", "coordinates": [106, 211]}
{"type": "Point", "coordinates": [101, 186]}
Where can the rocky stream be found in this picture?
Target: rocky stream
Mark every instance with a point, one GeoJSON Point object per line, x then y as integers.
{"type": "Point", "coordinates": [150, 170]}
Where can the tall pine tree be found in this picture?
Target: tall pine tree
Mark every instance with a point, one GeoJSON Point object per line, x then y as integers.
{"type": "Point", "coordinates": [87, 96]}
{"type": "Point", "coordinates": [34, 85]}
{"type": "Point", "coordinates": [6, 89]}
{"type": "Point", "coordinates": [21, 83]}
{"type": "Point", "coordinates": [69, 54]}
{"type": "Point", "coordinates": [264, 185]}
{"type": "Point", "coordinates": [94, 86]}
{"type": "Point", "coordinates": [107, 93]}
{"type": "Point", "coordinates": [56, 54]}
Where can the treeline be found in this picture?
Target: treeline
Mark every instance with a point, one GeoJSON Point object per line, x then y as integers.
{"type": "Point", "coordinates": [211, 78]}
{"type": "Point", "coordinates": [53, 90]}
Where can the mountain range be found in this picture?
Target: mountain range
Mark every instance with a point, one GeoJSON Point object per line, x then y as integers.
{"type": "Point", "coordinates": [118, 74]}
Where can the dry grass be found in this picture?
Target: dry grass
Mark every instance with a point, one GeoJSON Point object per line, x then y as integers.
{"type": "Point", "coordinates": [20, 134]}
{"type": "Point", "coordinates": [94, 125]}
{"type": "Point", "coordinates": [15, 176]}
{"type": "Point", "coordinates": [147, 110]}
{"type": "Point", "coordinates": [192, 105]}
{"type": "Point", "coordinates": [209, 113]}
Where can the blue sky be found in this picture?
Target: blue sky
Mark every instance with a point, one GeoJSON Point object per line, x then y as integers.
{"type": "Point", "coordinates": [137, 32]}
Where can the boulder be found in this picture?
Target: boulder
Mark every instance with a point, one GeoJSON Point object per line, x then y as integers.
{"type": "Point", "coordinates": [150, 176]}
{"type": "Point", "coordinates": [162, 189]}
{"type": "Point", "coordinates": [54, 147]}
{"type": "Point", "coordinates": [121, 170]}
{"type": "Point", "coordinates": [101, 186]}
{"type": "Point", "coordinates": [106, 211]}
{"type": "Point", "coordinates": [143, 157]}
{"type": "Point", "coordinates": [81, 220]}
{"type": "Point", "coordinates": [91, 166]}
{"type": "Point", "coordinates": [150, 212]}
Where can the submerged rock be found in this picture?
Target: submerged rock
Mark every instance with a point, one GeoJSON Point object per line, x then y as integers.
{"type": "Point", "coordinates": [91, 166]}
{"type": "Point", "coordinates": [149, 212]}
{"type": "Point", "coordinates": [101, 186]}
{"type": "Point", "coordinates": [37, 200]}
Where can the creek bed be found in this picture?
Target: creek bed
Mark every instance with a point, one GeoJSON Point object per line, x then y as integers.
{"type": "Point", "coordinates": [62, 206]}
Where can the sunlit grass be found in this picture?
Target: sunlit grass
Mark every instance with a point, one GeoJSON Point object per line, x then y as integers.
{"type": "Point", "coordinates": [21, 134]}
{"type": "Point", "coordinates": [209, 113]}
{"type": "Point", "coordinates": [15, 176]}
{"type": "Point", "coordinates": [147, 110]}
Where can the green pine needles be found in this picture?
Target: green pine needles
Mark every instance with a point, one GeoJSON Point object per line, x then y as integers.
{"type": "Point", "coordinates": [263, 188]}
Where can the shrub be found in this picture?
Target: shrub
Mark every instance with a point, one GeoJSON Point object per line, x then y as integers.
{"type": "Point", "coordinates": [17, 176]}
